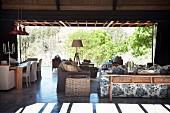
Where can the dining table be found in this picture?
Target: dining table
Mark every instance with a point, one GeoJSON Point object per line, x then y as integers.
{"type": "Point", "coordinates": [18, 74]}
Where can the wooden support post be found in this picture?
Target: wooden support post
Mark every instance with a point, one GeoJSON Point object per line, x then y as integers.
{"type": "Point", "coordinates": [110, 89]}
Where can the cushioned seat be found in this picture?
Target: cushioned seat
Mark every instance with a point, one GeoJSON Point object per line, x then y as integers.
{"type": "Point", "coordinates": [7, 78]}
{"type": "Point", "coordinates": [39, 69]}
{"type": "Point", "coordinates": [33, 76]}
{"type": "Point", "coordinates": [63, 74]}
{"type": "Point", "coordinates": [26, 74]}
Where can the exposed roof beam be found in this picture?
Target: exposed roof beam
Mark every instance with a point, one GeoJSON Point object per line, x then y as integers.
{"type": "Point", "coordinates": [105, 24]}
{"type": "Point", "coordinates": [63, 23]}
{"type": "Point", "coordinates": [95, 23]}
{"type": "Point", "coordinates": [89, 23]}
{"type": "Point", "coordinates": [77, 23]}
{"type": "Point", "coordinates": [68, 23]}
{"type": "Point", "coordinates": [111, 22]}
{"type": "Point", "coordinates": [58, 4]}
{"type": "Point", "coordinates": [114, 4]}
{"type": "Point", "coordinates": [88, 15]}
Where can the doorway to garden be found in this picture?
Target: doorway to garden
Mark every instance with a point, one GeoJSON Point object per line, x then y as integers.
{"type": "Point", "coordinates": [100, 43]}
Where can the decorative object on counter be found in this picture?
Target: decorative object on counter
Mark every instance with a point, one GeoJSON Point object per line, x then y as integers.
{"type": "Point", "coordinates": [118, 70]}
{"type": "Point", "coordinates": [155, 69]}
{"type": "Point", "coordinates": [77, 43]}
{"type": "Point", "coordinates": [106, 65]}
{"type": "Point", "coordinates": [86, 61]}
{"type": "Point", "coordinates": [70, 60]}
{"type": "Point", "coordinates": [117, 60]}
{"type": "Point", "coordinates": [130, 66]}
{"type": "Point", "coordinates": [4, 62]}
{"type": "Point", "coordinates": [56, 61]}
{"type": "Point", "coordinates": [13, 62]}
{"type": "Point", "coordinates": [11, 50]}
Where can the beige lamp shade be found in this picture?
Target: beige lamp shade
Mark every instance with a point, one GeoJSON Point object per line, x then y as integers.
{"type": "Point", "coordinates": [77, 43]}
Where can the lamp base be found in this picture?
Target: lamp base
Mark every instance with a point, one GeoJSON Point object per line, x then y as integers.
{"type": "Point", "coordinates": [76, 58]}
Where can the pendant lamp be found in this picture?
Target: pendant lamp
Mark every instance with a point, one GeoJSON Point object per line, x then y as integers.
{"type": "Point", "coordinates": [14, 31]}
{"type": "Point", "coordinates": [24, 31]}
{"type": "Point", "coordinates": [19, 25]}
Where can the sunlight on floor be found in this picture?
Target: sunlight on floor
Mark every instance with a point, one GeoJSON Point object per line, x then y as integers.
{"type": "Point", "coordinates": [36, 108]}
{"type": "Point", "coordinates": [99, 107]}
{"type": "Point", "coordinates": [130, 108]}
{"type": "Point", "coordinates": [82, 108]}
{"type": "Point", "coordinates": [64, 108]}
{"type": "Point", "coordinates": [155, 108]}
{"type": "Point", "coordinates": [49, 108]}
{"type": "Point", "coordinates": [102, 107]}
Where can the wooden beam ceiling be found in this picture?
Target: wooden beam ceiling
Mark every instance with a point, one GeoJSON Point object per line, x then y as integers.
{"type": "Point", "coordinates": [58, 5]}
{"type": "Point", "coordinates": [96, 13]}
{"type": "Point", "coordinates": [87, 15]}
{"type": "Point", "coordinates": [114, 4]}
{"type": "Point", "coordinates": [90, 23]}
{"type": "Point", "coordinates": [87, 4]}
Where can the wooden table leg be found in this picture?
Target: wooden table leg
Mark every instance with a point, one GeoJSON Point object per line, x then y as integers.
{"type": "Point", "coordinates": [18, 82]}
{"type": "Point", "coordinates": [110, 89]}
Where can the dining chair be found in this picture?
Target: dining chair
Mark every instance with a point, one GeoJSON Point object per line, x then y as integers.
{"type": "Point", "coordinates": [39, 69]}
{"type": "Point", "coordinates": [7, 78]}
{"type": "Point", "coordinates": [33, 76]}
{"type": "Point", "coordinates": [26, 74]}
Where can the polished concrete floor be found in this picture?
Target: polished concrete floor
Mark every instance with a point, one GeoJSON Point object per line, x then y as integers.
{"type": "Point", "coordinates": [42, 97]}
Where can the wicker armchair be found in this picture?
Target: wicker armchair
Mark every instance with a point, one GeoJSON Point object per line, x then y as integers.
{"type": "Point", "coordinates": [62, 75]}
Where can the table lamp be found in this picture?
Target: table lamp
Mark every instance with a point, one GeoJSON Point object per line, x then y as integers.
{"type": "Point", "coordinates": [77, 43]}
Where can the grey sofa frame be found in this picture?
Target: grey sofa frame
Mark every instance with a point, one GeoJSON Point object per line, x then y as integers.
{"type": "Point", "coordinates": [62, 75]}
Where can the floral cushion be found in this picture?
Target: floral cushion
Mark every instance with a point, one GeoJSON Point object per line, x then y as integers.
{"type": "Point", "coordinates": [132, 90]}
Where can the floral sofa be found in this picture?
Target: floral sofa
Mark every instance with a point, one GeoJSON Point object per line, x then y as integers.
{"type": "Point", "coordinates": [132, 90]}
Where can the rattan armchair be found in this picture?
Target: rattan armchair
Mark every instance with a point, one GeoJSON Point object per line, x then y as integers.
{"type": "Point", "coordinates": [62, 75]}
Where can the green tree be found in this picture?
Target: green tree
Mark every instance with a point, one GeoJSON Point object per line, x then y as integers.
{"type": "Point", "coordinates": [141, 41]}
{"type": "Point", "coordinates": [97, 45]}
{"type": "Point", "coordinates": [41, 42]}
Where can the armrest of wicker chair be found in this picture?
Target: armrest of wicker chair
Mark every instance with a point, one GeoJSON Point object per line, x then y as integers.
{"type": "Point", "coordinates": [62, 75]}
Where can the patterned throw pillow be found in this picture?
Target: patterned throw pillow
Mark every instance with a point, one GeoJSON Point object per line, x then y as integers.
{"type": "Point", "coordinates": [70, 68]}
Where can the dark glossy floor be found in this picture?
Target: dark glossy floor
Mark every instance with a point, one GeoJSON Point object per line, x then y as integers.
{"type": "Point", "coordinates": [42, 97]}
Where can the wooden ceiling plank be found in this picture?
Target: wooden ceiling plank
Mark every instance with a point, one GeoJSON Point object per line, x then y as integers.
{"type": "Point", "coordinates": [68, 23]}
{"type": "Point", "coordinates": [113, 24]}
{"type": "Point", "coordinates": [110, 23]}
{"type": "Point", "coordinates": [51, 23]}
{"type": "Point", "coordinates": [63, 23]}
{"type": "Point", "coordinates": [77, 23]}
{"type": "Point", "coordinates": [58, 5]}
{"type": "Point", "coordinates": [105, 24]}
{"type": "Point", "coordinates": [122, 24]}
{"type": "Point", "coordinates": [114, 4]}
